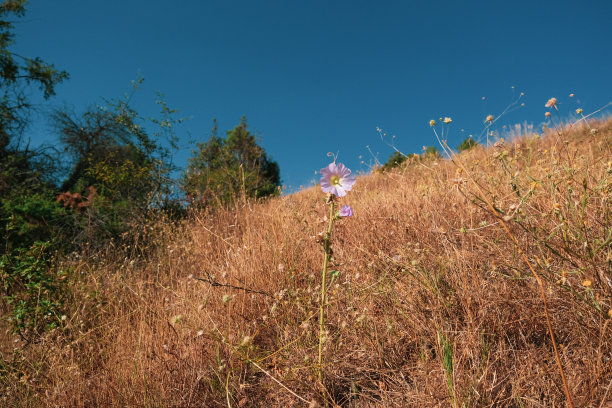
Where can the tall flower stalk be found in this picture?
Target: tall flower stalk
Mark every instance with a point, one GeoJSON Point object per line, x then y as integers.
{"type": "Point", "coordinates": [336, 180]}
{"type": "Point", "coordinates": [327, 255]}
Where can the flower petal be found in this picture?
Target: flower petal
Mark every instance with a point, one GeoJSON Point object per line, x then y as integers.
{"type": "Point", "coordinates": [340, 192]}
{"type": "Point", "coordinates": [345, 179]}
{"type": "Point", "coordinates": [348, 182]}
{"type": "Point", "coordinates": [346, 211]}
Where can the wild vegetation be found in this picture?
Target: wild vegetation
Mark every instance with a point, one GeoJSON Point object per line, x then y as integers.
{"type": "Point", "coordinates": [470, 279]}
{"type": "Point", "coordinates": [431, 303]}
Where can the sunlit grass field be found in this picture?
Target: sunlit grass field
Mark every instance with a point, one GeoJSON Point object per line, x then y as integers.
{"type": "Point", "coordinates": [431, 304]}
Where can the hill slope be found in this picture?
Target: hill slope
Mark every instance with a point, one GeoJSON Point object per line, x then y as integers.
{"type": "Point", "coordinates": [433, 305]}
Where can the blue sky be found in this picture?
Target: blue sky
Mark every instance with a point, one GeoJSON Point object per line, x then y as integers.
{"type": "Point", "coordinates": [319, 76]}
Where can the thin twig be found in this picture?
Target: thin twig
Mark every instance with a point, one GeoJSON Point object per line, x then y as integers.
{"type": "Point", "coordinates": [214, 283]}
{"type": "Point", "coordinates": [278, 382]}
{"type": "Point", "coordinates": [150, 309]}
{"type": "Point", "coordinates": [603, 400]}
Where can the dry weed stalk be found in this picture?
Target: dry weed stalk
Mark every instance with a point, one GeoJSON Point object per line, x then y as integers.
{"type": "Point", "coordinates": [483, 196]}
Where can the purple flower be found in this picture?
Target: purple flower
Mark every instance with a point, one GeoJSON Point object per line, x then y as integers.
{"type": "Point", "coordinates": [346, 211]}
{"type": "Point", "coordinates": [336, 179]}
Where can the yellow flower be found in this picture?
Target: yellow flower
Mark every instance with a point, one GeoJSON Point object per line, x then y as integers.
{"type": "Point", "coordinates": [547, 114]}
{"type": "Point", "coordinates": [489, 118]}
{"type": "Point", "coordinates": [587, 283]}
{"type": "Point", "coordinates": [579, 111]}
{"type": "Point", "coordinates": [432, 123]}
{"type": "Point", "coordinates": [447, 120]}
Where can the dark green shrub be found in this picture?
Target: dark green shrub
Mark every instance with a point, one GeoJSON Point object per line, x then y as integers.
{"type": "Point", "coordinates": [398, 159]}
{"type": "Point", "coordinates": [395, 160]}
{"type": "Point", "coordinates": [223, 169]}
{"type": "Point", "coordinates": [467, 144]}
{"type": "Point", "coordinates": [34, 290]}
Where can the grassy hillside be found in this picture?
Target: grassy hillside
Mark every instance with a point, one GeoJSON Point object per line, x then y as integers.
{"type": "Point", "coordinates": [434, 304]}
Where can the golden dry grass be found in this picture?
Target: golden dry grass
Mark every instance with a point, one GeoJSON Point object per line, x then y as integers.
{"type": "Point", "coordinates": [433, 307]}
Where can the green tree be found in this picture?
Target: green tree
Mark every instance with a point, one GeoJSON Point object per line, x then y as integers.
{"type": "Point", "coordinates": [399, 159]}
{"type": "Point", "coordinates": [431, 152]}
{"type": "Point", "coordinates": [30, 218]}
{"type": "Point", "coordinates": [467, 144]}
{"type": "Point", "coordinates": [396, 159]}
{"type": "Point", "coordinates": [16, 74]}
{"type": "Point", "coordinates": [26, 191]}
{"type": "Point", "coordinates": [118, 174]}
{"type": "Point", "coordinates": [223, 169]}
{"type": "Point", "coordinates": [104, 144]}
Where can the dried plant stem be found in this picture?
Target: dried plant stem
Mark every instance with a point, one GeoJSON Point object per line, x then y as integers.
{"type": "Point", "coordinates": [544, 300]}
{"type": "Point", "coordinates": [248, 360]}
{"type": "Point", "coordinates": [227, 396]}
{"type": "Point", "coordinates": [456, 160]}
{"type": "Point", "coordinates": [327, 247]}
{"type": "Point", "coordinates": [214, 283]}
{"type": "Point", "coordinates": [278, 382]}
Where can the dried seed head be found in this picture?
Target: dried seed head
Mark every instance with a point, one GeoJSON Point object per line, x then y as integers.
{"type": "Point", "coordinates": [552, 103]}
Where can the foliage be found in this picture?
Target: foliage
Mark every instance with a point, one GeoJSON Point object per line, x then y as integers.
{"type": "Point", "coordinates": [26, 197]}
{"type": "Point", "coordinates": [32, 288]}
{"type": "Point", "coordinates": [467, 144]}
{"type": "Point", "coordinates": [28, 209]}
{"type": "Point", "coordinates": [29, 215]}
{"type": "Point", "coordinates": [399, 159]}
{"type": "Point", "coordinates": [223, 169]}
{"type": "Point", "coordinates": [431, 152]}
{"type": "Point", "coordinates": [396, 159]}
{"type": "Point", "coordinates": [16, 73]}
{"type": "Point", "coordinates": [119, 173]}
{"type": "Point", "coordinates": [30, 218]}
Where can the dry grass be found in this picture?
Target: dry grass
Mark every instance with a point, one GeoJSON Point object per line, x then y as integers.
{"type": "Point", "coordinates": [434, 305]}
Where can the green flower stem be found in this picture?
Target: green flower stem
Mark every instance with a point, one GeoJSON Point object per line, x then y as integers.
{"type": "Point", "coordinates": [327, 248]}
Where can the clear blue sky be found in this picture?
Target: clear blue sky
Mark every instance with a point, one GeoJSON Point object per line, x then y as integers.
{"type": "Point", "coordinates": [318, 76]}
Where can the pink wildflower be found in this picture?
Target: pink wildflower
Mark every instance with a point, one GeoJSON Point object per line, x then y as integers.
{"type": "Point", "coordinates": [346, 211]}
{"type": "Point", "coordinates": [336, 179]}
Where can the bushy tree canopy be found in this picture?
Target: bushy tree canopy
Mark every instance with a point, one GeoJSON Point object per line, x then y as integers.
{"type": "Point", "coordinates": [225, 168]}
{"type": "Point", "coordinates": [16, 74]}
{"type": "Point", "coordinates": [467, 144]}
{"type": "Point", "coordinates": [399, 159]}
{"type": "Point", "coordinates": [26, 193]}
